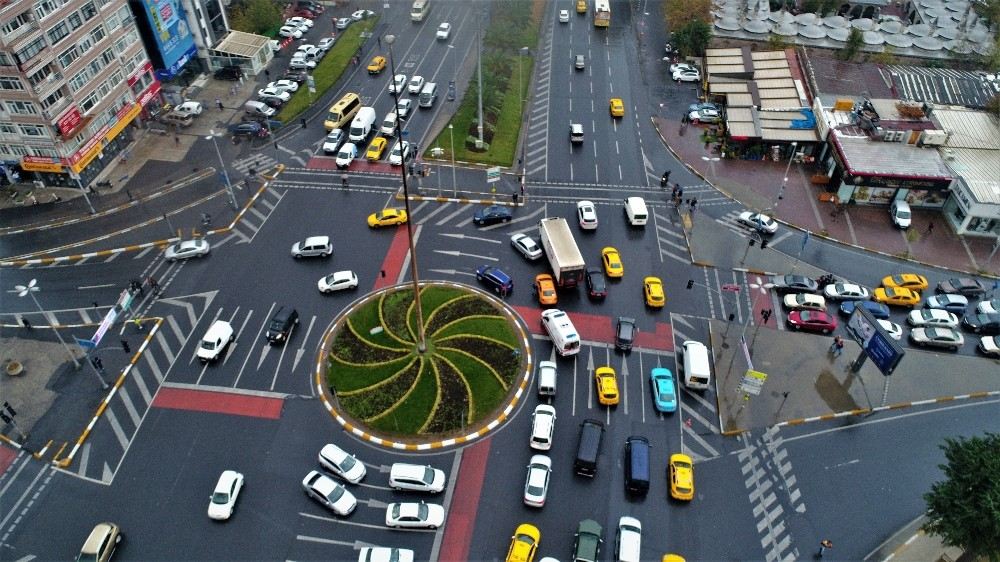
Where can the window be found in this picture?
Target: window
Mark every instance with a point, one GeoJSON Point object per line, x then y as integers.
{"type": "Point", "coordinates": [10, 83]}
{"type": "Point", "coordinates": [32, 130]}
{"type": "Point", "coordinates": [30, 50]}
{"type": "Point", "coordinates": [10, 27]}
{"type": "Point", "coordinates": [58, 33]}
{"type": "Point", "coordinates": [15, 149]}
{"type": "Point", "coordinates": [89, 102]}
{"type": "Point", "coordinates": [67, 57]}
{"type": "Point", "coordinates": [107, 57]}
{"type": "Point", "coordinates": [8, 129]}
{"type": "Point", "coordinates": [88, 11]}
{"type": "Point", "coordinates": [75, 21]}
{"type": "Point", "coordinates": [78, 81]}
{"type": "Point", "coordinates": [44, 8]}
{"type": "Point", "coordinates": [22, 107]}
{"type": "Point", "coordinates": [5, 59]}
{"type": "Point", "coordinates": [52, 99]}
{"type": "Point", "coordinates": [98, 33]}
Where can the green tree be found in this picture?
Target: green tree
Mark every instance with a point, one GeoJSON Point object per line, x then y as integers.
{"type": "Point", "coordinates": [852, 45]}
{"type": "Point", "coordinates": [692, 38]}
{"type": "Point", "coordinates": [992, 60]}
{"type": "Point", "coordinates": [256, 16]}
{"type": "Point", "coordinates": [964, 509]}
{"type": "Point", "coordinates": [989, 10]}
{"type": "Point", "coordinates": [680, 12]}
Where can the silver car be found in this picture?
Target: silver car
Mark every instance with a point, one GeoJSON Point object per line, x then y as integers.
{"type": "Point", "coordinates": [526, 246]}
{"type": "Point", "coordinates": [187, 249]}
{"type": "Point", "coordinates": [312, 247]}
{"type": "Point", "coordinates": [937, 337]}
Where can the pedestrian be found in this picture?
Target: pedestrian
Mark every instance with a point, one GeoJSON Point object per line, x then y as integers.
{"type": "Point", "coordinates": [379, 40]}
{"type": "Point", "coordinates": [267, 74]}
{"type": "Point", "coordinates": [673, 192]}
{"type": "Point", "coordinates": [97, 363]}
{"type": "Point", "coordinates": [153, 283]}
{"type": "Point", "coordinates": [129, 194]}
{"type": "Point", "coordinates": [666, 177]}
{"type": "Point", "coordinates": [177, 140]}
{"type": "Point", "coordinates": [95, 304]}
{"type": "Point", "coordinates": [303, 121]}
{"type": "Point", "coordinates": [126, 346]}
{"type": "Point", "coordinates": [522, 189]}
{"type": "Point", "coordinates": [25, 323]}
{"type": "Point", "coordinates": [138, 324]}
{"type": "Point", "coordinates": [824, 545]}
{"type": "Point", "coordinates": [218, 102]}
{"type": "Point", "coordinates": [693, 204]}
{"type": "Point", "coordinates": [513, 196]}
{"type": "Point", "coordinates": [276, 145]}
{"type": "Point", "coordinates": [382, 272]}
{"type": "Point", "coordinates": [930, 227]}
{"type": "Point", "coordinates": [837, 347]}
{"type": "Point", "coordinates": [343, 180]}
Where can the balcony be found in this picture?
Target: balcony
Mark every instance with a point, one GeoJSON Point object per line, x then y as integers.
{"type": "Point", "coordinates": [10, 40]}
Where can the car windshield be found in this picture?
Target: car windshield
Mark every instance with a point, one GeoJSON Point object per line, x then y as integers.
{"type": "Point", "coordinates": [208, 345]}
{"type": "Point", "coordinates": [220, 498]}
{"type": "Point", "coordinates": [428, 475]}
{"type": "Point", "coordinates": [336, 493]}
{"type": "Point", "coordinates": [348, 463]}
{"type": "Point", "coordinates": [422, 511]}
{"type": "Point", "coordinates": [277, 324]}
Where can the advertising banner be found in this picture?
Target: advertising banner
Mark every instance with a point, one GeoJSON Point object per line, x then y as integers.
{"type": "Point", "coordinates": [173, 37]}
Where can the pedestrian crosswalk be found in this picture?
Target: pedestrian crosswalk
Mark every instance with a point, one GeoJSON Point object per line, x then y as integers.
{"type": "Point", "coordinates": [258, 162]}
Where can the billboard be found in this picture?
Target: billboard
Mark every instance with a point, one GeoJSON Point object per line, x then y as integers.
{"type": "Point", "coordinates": [173, 37]}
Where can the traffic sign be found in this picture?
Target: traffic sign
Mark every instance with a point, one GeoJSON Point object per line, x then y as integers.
{"type": "Point", "coordinates": [493, 174]}
{"type": "Point", "coordinates": [89, 344]}
{"type": "Point", "coordinates": [731, 287]}
{"type": "Point", "coordinates": [752, 382]}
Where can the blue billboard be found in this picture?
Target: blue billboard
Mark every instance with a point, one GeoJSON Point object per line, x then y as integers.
{"type": "Point", "coordinates": [173, 37]}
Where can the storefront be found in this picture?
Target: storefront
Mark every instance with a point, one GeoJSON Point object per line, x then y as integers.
{"type": "Point", "coordinates": [974, 206]}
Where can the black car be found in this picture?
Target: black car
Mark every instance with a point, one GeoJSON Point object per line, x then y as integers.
{"type": "Point", "coordinates": [229, 73]}
{"type": "Point", "coordinates": [987, 324]}
{"type": "Point", "coordinates": [281, 324]}
{"type": "Point", "coordinates": [252, 129]}
{"type": "Point", "coordinates": [492, 215]}
{"type": "Point", "coordinates": [597, 287]}
{"type": "Point", "coordinates": [313, 7]}
{"type": "Point", "coordinates": [297, 76]}
{"type": "Point", "coordinates": [962, 286]}
{"type": "Point", "coordinates": [794, 284]}
{"type": "Point", "coordinates": [272, 102]}
{"type": "Point", "coordinates": [625, 333]}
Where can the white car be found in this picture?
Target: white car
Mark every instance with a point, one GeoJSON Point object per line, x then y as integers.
{"type": "Point", "coordinates": [328, 492]}
{"type": "Point", "coordinates": [362, 14]}
{"type": "Point", "coordinates": [991, 306]}
{"type": "Point", "coordinates": [299, 21]}
{"type": "Point", "coordinates": [189, 108]}
{"type": "Point", "coordinates": [397, 84]}
{"type": "Point", "coordinates": [536, 484]}
{"type": "Point", "coordinates": [301, 63]}
{"type": "Point", "coordinates": [543, 426]}
{"type": "Point", "coordinates": [846, 292]}
{"type": "Point", "coordinates": [187, 249]}
{"type": "Point", "coordinates": [413, 515]}
{"type": "Point", "coordinates": [389, 124]}
{"type": "Point", "coordinates": [679, 66]}
{"type": "Point", "coordinates": [215, 341]}
{"type": "Point", "coordinates": [274, 94]}
{"type": "Point", "coordinates": [404, 106]}
{"type": "Point", "coordinates": [759, 222]}
{"type": "Point", "coordinates": [342, 23]}
{"type": "Point", "coordinates": [563, 16]}
{"type": "Point", "coordinates": [686, 75]}
{"type": "Point", "coordinates": [444, 31]}
{"type": "Point", "coordinates": [526, 246]}
{"type": "Point", "coordinates": [587, 214]}
{"type": "Point", "coordinates": [223, 499]}
{"type": "Point", "coordinates": [951, 303]}
{"type": "Point", "coordinates": [308, 51]}
{"type": "Point", "coordinates": [804, 301]}
{"type": "Point", "coordinates": [338, 281]}
{"type": "Point", "coordinates": [989, 345]}
{"type": "Point", "coordinates": [283, 85]}
{"type": "Point", "coordinates": [333, 141]}
{"type": "Point", "coordinates": [932, 317]}
{"type": "Point", "coordinates": [894, 330]}
{"type": "Point", "coordinates": [326, 43]}
{"type": "Point", "coordinates": [416, 84]}
{"type": "Point", "coordinates": [347, 154]}
{"type": "Point", "coordinates": [400, 153]}
{"type": "Point", "coordinates": [937, 337]}
{"type": "Point", "coordinates": [416, 477]}
{"type": "Point", "coordinates": [341, 463]}
{"type": "Point", "coordinates": [292, 31]}
{"type": "Point", "coordinates": [313, 246]}
{"type": "Point", "coordinates": [628, 540]}
{"type": "Point", "coordinates": [385, 554]}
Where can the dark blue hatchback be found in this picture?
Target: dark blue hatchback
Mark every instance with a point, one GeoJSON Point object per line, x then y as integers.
{"type": "Point", "coordinates": [877, 309]}
{"type": "Point", "coordinates": [492, 215]}
{"type": "Point", "coordinates": [497, 280]}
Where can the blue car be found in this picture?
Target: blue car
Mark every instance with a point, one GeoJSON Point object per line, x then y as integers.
{"type": "Point", "coordinates": [492, 215]}
{"type": "Point", "coordinates": [496, 280]}
{"type": "Point", "coordinates": [877, 309]}
{"type": "Point", "coordinates": [664, 396]}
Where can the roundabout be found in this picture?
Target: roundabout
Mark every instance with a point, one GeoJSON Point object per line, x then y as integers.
{"type": "Point", "coordinates": [377, 383]}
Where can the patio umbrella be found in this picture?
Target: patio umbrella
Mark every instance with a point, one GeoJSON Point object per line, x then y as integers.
{"type": "Point", "coordinates": [757, 26]}
{"type": "Point", "coordinates": [863, 24]}
{"type": "Point", "coordinates": [900, 41]}
{"type": "Point", "coordinates": [812, 31]}
{"type": "Point", "coordinates": [872, 38]}
{"type": "Point", "coordinates": [928, 43]}
{"type": "Point", "coordinates": [727, 24]}
{"type": "Point", "coordinates": [838, 33]}
{"type": "Point", "coordinates": [836, 21]}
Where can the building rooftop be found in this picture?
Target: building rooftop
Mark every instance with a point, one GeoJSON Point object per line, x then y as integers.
{"type": "Point", "coordinates": [864, 157]}
{"type": "Point", "coordinates": [979, 169]}
{"type": "Point", "coordinates": [967, 128]}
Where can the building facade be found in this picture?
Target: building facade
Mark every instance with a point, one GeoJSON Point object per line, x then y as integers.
{"type": "Point", "coordinates": [74, 80]}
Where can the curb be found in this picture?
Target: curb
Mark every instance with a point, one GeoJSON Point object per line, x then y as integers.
{"type": "Point", "coordinates": [899, 406]}
{"type": "Point", "coordinates": [486, 427]}
{"type": "Point", "coordinates": [399, 197]}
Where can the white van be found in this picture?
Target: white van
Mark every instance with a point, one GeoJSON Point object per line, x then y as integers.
{"type": "Point", "coordinates": [635, 210]}
{"type": "Point", "coordinates": [564, 335]}
{"type": "Point", "coordinates": [218, 336]}
{"type": "Point", "coordinates": [546, 378]}
{"type": "Point", "coordinates": [697, 371]}
{"type": "Point", "coordinates": [362, 125]}
{"type": "Point", "coordinates": [389, 125]}
{"type": "Point", "coordinates": [428, 95]}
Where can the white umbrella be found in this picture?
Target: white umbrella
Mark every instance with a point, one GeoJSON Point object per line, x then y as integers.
{"type": "Point", "coordinates": [920, 30]}
{"type": "Point", "coordinates": [812, 31]}
{"type": "Point", "coordinates": [727, 24]}
{"type": "Point", "coordinates": [890, 26]}
{"type": "Point", "coordinates": [900, 41]}
{"type": "Point", "coordinates": [928, 43]}
{"type": "Point", "coordinates": [836, 21]}
{"type": "Point", "coordinates": [757, 26]}
{"type": "Point", "coordinates": [807, 18]}
{"type": "Point", "coordinates": [838, 33]}
{"type": "Point", "coordinates": [872, 38]}
{"type": "Point", "coordinates": [781, 17]}
{"type": "Point", "coordinates": [785, 29]}
{"type": "Point", "coordinates": [864, 24]}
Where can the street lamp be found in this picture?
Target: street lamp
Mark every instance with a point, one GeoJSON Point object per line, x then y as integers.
{"type": "Point", "coordinates": [520, 106]}
{"type": "Point", "coordinates": [784, 181]}
{"type": "Point", "coordinates": [421, 338]}
{"type": "Point", "coordinates": [454, 183]}
{"type": "Point", "coordinates": [225, 175]}
{"type": "Point", "coordinates": [29, 290]}
{"type": "Point", "coordinates": [759, 288]}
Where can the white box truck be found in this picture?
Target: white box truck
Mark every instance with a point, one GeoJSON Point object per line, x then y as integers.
{"type": "Point", "coordinates": [560, 247]}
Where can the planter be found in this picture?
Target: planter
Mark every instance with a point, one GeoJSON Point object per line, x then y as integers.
{"type": "Point", "coordinates": [14, 368]}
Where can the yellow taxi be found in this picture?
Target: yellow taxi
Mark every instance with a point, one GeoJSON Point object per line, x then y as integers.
{"type": "Point", "coordinates": [376, 148]}
{"type": "Point", "coordinates": [524, 543]}
{"type": "Point", "coordinates": [910, 281]}
{"type": "Point", "coordinates": [672, 558]}
{"type": "Point", "coordinates": [896, 296]}
{"type": "Point", "coordinates": [545, 288]}
{"type": "Point", "coordinates": [612, 262]}
{"type": "Point", "coordinates": [607, 386]}
{"type": "Point", "coordinates": [617, 107]}
{"type": "Point", "coordinates": [376, 65]}
{"type": "Point", "coordinates": [387, 217]}
{"type": "Point", "coordinates": [681, 473]}
{"type": "Point", "coordinates": [652, 289]}
{"type": "Point", "coordinates": [581, 6]}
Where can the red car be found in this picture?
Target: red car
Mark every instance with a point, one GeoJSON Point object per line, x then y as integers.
{"type": "Point", "coordinates": [812, 321]}
{"type": "Point", "coordinates": [303, 12]}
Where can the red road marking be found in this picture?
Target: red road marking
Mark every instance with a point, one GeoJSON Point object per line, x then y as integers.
{"type": "Point", "coordinates": [393, 262]}
{"type": "Point", "coordinates": [219, 403]}
{"type": "Point", "coordinates": [322, 163]}
{"type": "Point", "coordinates": [465, 503]}
{"type": "Point", "coordinates": [7, 457]}
{"type": "Point", "coordinates": [593, 327]}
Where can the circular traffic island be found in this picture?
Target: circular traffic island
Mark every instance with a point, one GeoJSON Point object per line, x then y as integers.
{"type": "Point", "coordinates": [466, 381]}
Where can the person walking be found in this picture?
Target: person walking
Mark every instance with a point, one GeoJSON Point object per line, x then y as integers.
{"type": "Point", "coordinates": [930, 227]}
{"type": "Point", "coordinates": [824, 545]}
{"type": "Point", "coordinates": [218, 102]}
{"type": "Point", "coordinates": [837, 347]}
{"type": "Point", "coordinates": [343, 180]}
{"type": "Point", "coordinates": [126, 346]}
{"type": "Point", "coordinates": [26, 323]}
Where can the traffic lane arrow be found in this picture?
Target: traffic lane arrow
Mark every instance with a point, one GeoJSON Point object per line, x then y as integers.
{"type": "Point", "coordinates": [456, 254]}
{"type": "Point", "coordinates": [466, 236]}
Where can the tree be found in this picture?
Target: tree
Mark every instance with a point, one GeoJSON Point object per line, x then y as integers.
{"type": "Point", "coordinates": [692, 38]}
{"type": "Point", "coordinates": [988, 10]}
{"type": "Point", "coordinates": [680, 12]}
{"type": "Point", "coordinates": [852, 45]}
{"type": "Point", "coordinates": [256, 16]}
{"type": "Point", "coordinates": [964, 509]}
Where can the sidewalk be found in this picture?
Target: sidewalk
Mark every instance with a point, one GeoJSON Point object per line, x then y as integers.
{"type": "Point", "coordinates": [756, 184]}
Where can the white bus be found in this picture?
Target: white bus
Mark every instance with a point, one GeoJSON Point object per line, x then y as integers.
{"type": "Point", "coordinates": [602, 13]}
{"type": "Point", "coordinates": [419, 10]}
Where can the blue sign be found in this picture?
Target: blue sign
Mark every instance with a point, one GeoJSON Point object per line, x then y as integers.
{"type": "Point", "coordinates": [882, 353]}
{"type": "Point", "coordinates": [88, 344]}
{"type": "Point", "coordinates": [173, 37]}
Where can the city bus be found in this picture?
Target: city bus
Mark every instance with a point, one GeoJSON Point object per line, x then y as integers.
{"type": "Point", "coordinates": [342, 112]}
{"type": "Point", "coordinates": [602, 13]}
{"type": "Point", "coordinates": [419, 10]}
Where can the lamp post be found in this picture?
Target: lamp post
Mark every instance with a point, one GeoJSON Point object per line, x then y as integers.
{"type": "Point", "coordinates": [784, 181]}
{"type": "Point", "coordinates": [759, 288]}
{"type": "Point", "coordinates": [225, 174]}
{"type": "Point", "coordinates": [520, 105]}
{"type": "Point", "coordinates": [29, 290]}
{"type": "Point", "coordinates": [454, 183]}
{"type": "Point", "coordinates": [421, 338]}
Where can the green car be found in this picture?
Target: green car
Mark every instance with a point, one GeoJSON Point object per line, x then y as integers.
{"type": "Point", "coordinates": [588, 541]}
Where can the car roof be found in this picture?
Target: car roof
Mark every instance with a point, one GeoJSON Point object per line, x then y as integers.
{"type": "Point", "coordinates": [317, 239]}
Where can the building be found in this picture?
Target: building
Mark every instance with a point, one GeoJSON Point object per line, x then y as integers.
{"type": "Point", "coordinates": [74, 79]}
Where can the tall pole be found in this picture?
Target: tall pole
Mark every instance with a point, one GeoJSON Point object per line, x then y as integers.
{"type": "Point", "coordinates": [479, 78]}
{"type": "Point", "coordinates": [225, 173]}
{"type": "Point", "coordinates": [520, 97]}
{"type": "Point", "coordinates": [784, 181]}
{"type": "Point", "coordinates": [85, 196]}
{"type": "Point", "coordinates": [30, 290]}
{"type": "Point", "coordinates": [421, 337]}
{"type": "Point", "coordinates": [454, 183]}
